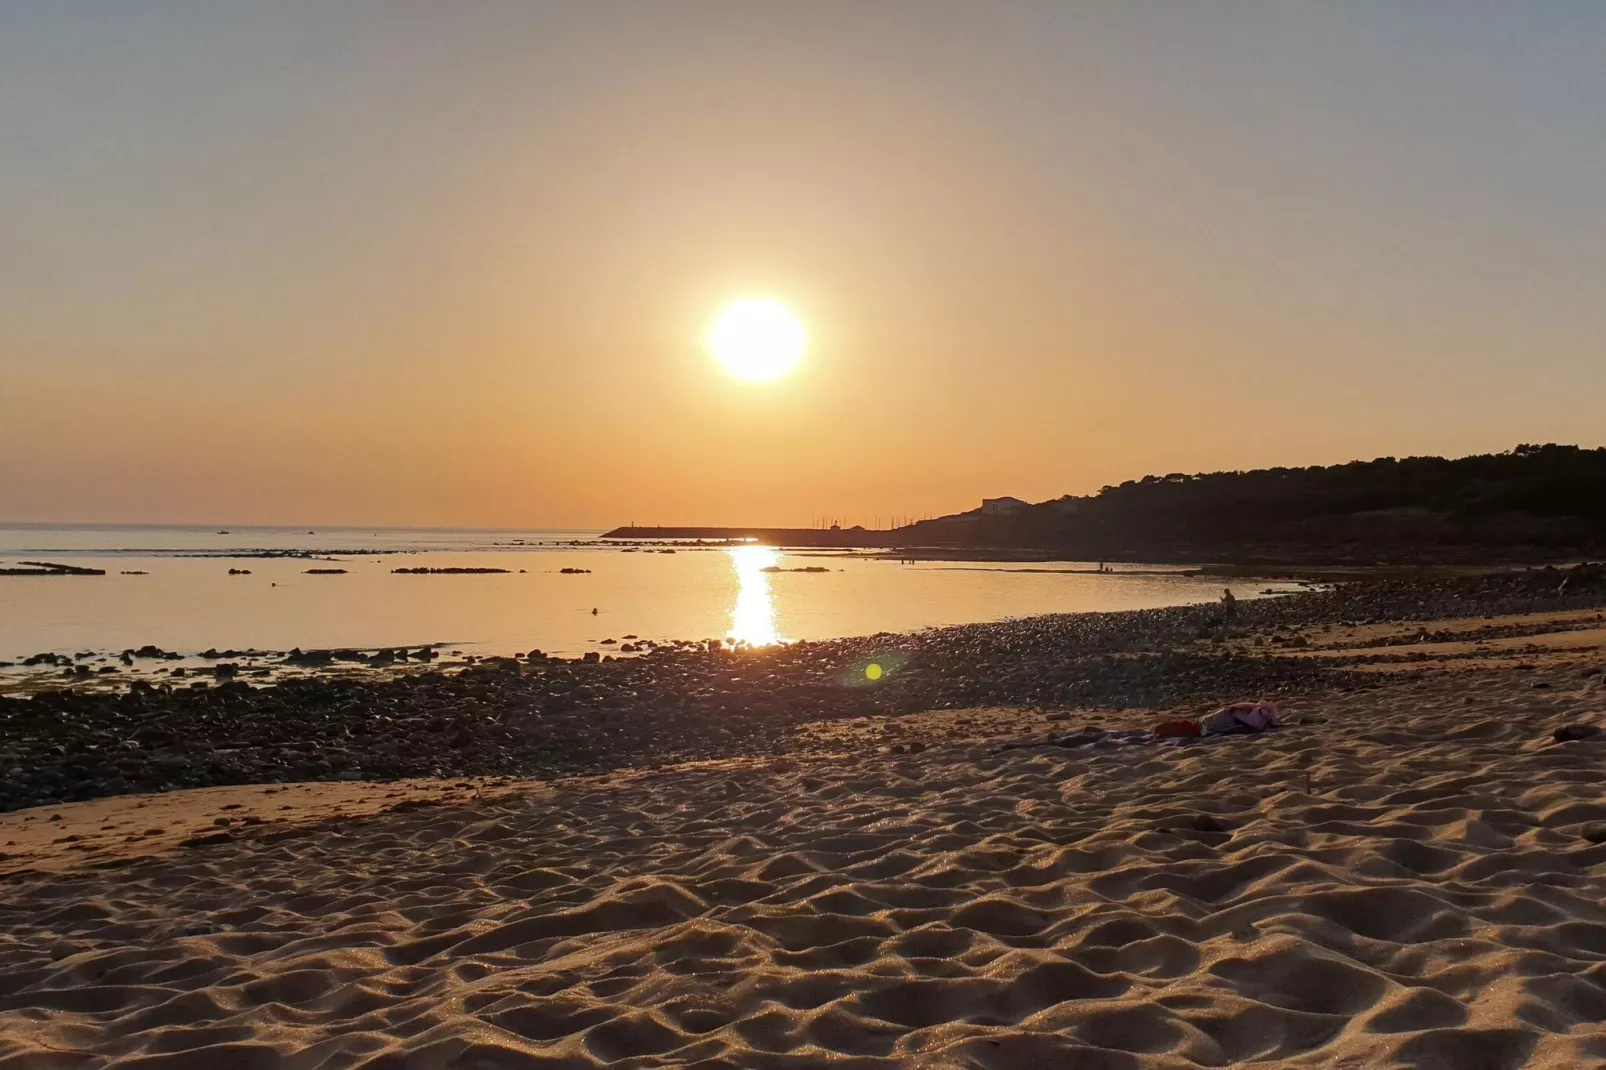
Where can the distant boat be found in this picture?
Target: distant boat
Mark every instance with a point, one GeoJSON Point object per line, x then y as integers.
{"type": "Point", "coordinates": [223, 533]}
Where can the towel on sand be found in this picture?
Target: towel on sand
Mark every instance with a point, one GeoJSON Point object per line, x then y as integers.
{"type": "Point", "coordinates": [1241, 717]}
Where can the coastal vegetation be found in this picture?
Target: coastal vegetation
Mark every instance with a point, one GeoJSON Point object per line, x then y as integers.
{"type": "Point", "coordinates": [1534, 502]}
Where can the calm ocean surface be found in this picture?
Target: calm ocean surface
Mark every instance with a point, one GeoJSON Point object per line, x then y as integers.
{"type": "Point", "coordinates": [187, 601]}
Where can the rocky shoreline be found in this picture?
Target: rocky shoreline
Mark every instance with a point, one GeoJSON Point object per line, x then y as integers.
{"type": "Point", "coordinates": [537, 716]}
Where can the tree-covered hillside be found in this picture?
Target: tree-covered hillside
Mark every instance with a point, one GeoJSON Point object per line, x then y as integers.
{"type": "Point", "coordinates": [1530, 502]}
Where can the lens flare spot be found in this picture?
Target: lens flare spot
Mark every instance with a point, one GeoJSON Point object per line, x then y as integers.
{"type": "Point", "coordinates": [876, 670]}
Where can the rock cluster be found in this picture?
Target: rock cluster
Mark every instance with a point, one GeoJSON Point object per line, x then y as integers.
{"type": "Point", "coordinates": [452, 571]}
{"type": "Point", "coordinates": [503, 716]}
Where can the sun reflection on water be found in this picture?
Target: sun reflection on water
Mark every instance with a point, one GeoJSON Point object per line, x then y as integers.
{"type": "Point", "coordinates": [753, 615]}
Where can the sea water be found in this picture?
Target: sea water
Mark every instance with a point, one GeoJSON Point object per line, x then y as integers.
{"type": "Point", "coordinates": [171, 587]}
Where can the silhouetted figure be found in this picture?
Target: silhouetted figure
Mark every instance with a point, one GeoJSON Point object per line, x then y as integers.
{"type": "Point", "coordinates": [1228, 602]}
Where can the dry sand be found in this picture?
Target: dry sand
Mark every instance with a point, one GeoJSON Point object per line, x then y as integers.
{"type": "Point", "coordinates": [1404, 879]}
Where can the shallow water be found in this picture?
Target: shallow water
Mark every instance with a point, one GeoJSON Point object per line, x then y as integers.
{"type": "Point", "coordinates": [188, 603]}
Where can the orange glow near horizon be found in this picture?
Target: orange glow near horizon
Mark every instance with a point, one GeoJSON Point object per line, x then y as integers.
{"type": "Point", "coordinates": [568, 266]}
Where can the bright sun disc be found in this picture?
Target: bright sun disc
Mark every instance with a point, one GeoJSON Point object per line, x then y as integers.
{"type": "Point", "coordinates": [757, 339]}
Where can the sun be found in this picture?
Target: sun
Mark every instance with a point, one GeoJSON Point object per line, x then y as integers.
{"type": "Point", "coordinates": [757, 339]}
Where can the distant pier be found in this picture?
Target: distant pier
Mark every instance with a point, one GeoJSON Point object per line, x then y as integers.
{"type": "Point", "coordinates": [837, 538]}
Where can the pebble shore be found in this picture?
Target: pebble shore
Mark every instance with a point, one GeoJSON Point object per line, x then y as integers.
{"type": "Point", "coordinates": [533, 716]}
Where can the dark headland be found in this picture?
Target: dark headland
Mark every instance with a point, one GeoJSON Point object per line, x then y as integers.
{"type": "Point", "coordinates": [1530, 504]}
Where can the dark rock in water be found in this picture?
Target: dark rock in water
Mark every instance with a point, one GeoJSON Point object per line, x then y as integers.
{"type": "Point", "coordinates": [207, 839]}
{"type": "Point", "coordinates": [239, 572]}
{"type": "Point", "coordinates": [325, 572]}
{"type": "Point", "coordinates": [1568, 733]}
{"type": "Point", "coordinates": [50, 568]}
{"type": "Point", "coordinates": [150, 651]}
{"type": "Point", "coordinates": [574, 571]}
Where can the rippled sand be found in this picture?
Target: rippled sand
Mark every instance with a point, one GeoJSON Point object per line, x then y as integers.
{"type": "Point", "coordinates": [1405, 879]}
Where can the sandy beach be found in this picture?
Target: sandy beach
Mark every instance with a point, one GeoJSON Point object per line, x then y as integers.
{"type": "Point", "coordinates": [1410, 875]}
{"type": "Point", "coordinates": [802, 536]}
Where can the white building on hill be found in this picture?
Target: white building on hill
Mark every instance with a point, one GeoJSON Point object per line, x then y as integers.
{"type": "Point", "coordinates": [1002, 506]}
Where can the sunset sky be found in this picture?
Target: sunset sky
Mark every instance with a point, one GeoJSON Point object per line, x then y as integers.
{"type": "Point", "coordinates": [453, 263]}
